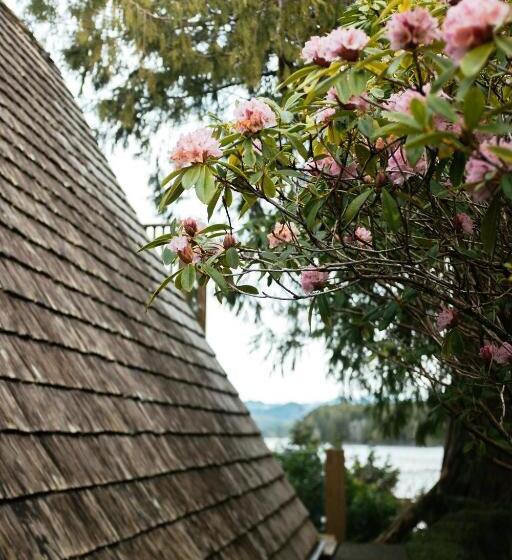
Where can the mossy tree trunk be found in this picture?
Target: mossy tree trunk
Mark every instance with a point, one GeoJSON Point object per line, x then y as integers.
{"type": "Point", "coordinates": [466, 477]}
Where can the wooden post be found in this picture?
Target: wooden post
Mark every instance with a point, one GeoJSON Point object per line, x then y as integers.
{"type": "Point", "coordinates": [201, 306]}
{"type": "Point", "coordinates": [335, 506]}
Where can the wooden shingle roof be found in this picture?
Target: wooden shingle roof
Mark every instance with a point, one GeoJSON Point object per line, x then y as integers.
{"type": "Point", "coordinates": [120, 434]}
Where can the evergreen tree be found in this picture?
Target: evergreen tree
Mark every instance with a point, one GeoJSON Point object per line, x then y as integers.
{"type": "Point", "coordinates": [155, 61]}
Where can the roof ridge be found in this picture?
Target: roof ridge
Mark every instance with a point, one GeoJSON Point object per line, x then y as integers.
{"type": "Point", "coordinates": [30, 36]}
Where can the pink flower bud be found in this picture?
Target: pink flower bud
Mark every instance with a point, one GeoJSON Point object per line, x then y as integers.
{"type": "Point", "coordinates": [229, 241]}
{"type": "Point", "coordinates": [190, 226]}
{"type": "Point", "coordinates": [488, 352]}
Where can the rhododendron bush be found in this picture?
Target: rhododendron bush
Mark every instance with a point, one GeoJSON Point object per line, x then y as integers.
{"type": "Point", "coordinates": [378, 190]}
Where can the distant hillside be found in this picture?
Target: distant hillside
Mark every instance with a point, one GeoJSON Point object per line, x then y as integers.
{"type": "Point", "coordinates": [276, 420]}
{"type": "Point", "coordinates": [357, 423]}
{"type": "Point", "coordinates": [335, 423]}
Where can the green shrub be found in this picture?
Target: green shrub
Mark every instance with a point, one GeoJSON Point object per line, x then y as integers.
{"type": "Point", "coordinates": [371, 504]}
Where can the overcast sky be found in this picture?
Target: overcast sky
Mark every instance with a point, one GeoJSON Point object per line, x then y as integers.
{"type": "Point", "coordinates": [254, 376]}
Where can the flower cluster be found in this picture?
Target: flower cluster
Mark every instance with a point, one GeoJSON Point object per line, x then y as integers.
{"type": "Point", "coordinates": [482, 167]}
{"type": "Point", "coordinates": [252, 116]}
{"type": "Point", "coordinates": [399, 169]}
{"type": "Point", "coordinates": [195, 147]}
{"type": "Point", "coordinates": [184, 244]}
{"type": "Point", "coordinates": [447, 318]}
{"type": "Point", "coordinates": [502, 354]}
{"type": "Point", "coordinates": [407, 30]}
{"type": "Point", "coordinates": [313, 279]}
{"type": "Point", "coordinates": [282, 234]}
{"type": "Point", "coordinates": [471, 23]}
{"type": "Point", "coordinates": [341, 43]}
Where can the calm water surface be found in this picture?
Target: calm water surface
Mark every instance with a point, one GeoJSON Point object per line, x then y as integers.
{"type": "Point", "coordinates": [419, 466]}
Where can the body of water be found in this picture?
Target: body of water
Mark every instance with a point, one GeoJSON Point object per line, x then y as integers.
{"type": "Point", "coordinates": [419, 467]}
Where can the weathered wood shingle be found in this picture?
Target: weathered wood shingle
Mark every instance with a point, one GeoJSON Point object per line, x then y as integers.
{"type": "Point", "coordinates": [120, 434]}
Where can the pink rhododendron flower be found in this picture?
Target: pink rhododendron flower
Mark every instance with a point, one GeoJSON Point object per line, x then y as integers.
{"type": "Point", "coordinates": [326, 164]}
{"type": "Point", "coordinates": [503, 354]}
{"type": "Point", "coordinates": [332, 95]}
{"type": "Point", "coordinates": [488, 352]}
{"type": "Point", "coordinates": [471, 23]}
{"type": "Point", "coordinates": [407, 30]}
{"type": "Point", "coordinates": [282, 234]}
{"type": "Point", "coordinates": [317, 50]}
{"type": "Point", "coordinates": [444, 125]}
{"type": "Point", "coordinates": [399, 169]}
{"type": "Point", "coordinates": [464, 223]}
{"type": "Point", "coordinates": [191, 226]}
{"type": "Point", "coordinates": [346, 43]}
{"type": "Point", "coordinates": [481, 168]}
{"type": "Point", "coordinates": [313, 279]}
{"type": "Point", "coordinates": [446, 318]}
{"type": "Point", "coordinates": [401, 101]}
{"type": "Point", "coordinates": [253, 116]}
{"type": "Point", "coordinates": [179, 243]}
{"type": "Point", "coordinates": [195, 147]}
{"type": "Point", "coordinates": [325, 116]}
{"type": "Point", "coordinates": [363, 235]}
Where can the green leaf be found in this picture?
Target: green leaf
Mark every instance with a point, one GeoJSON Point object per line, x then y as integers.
{"type": "Point", "coordinates": [504, 44]}
{"type": "Point", "coordinates": [247, 289]}
{"type": "Point", "coordinates": [297, 144]}
{"type": "Point", "coordinates": [269, 189]}
{"type": "Point", "coordinates": [168, 256]}
{"type": "Point", "coordinates": [453, 343]}
{"type": "Point", "coordinates": [506, 186]}
{"type": "Point", "coordinates": [356, 204]}
{"type": "Point", "coordinates": [489, 226]}
{"type": "Point", "coordinates": [325, 310]}
{"type": "Point", "coordinates": [442, 107]}
{"type": "Point", "coordinates": [215, 228]}
{"type": "Point", "coordinates": [457, 169]}
{"type": "Point", "coordinates": [419, 112]}
{"type": "Point", "coordinates": [426, 139]}
{"type": "Point", "coordinates": [205, 186]}
{"type": "Point", "coordinates": [403, 119]}
{"type": "Point", "coordinates": [216, 276]}
{"type": "Point", "coordinates": [213, 203]}
{"type": "Point", "coordinates": [157, 242]}
{"type": "Point", "coordinates": [191, 176]}
{"type": "Point", "coordinates": [473, 61]}
{"type": "Point", "coordinates": [162, 287]}
{"type": "Point", "coordinates": [390, 211]}
{"type": "Point", "coordinates": [504, 154]}
{"type": "Point", "coordinates": [232, 259]}
{"type": "Point", "coordinates": [188, 277]}
{"type": "Point", "coordinates": [171, 176]}
{"type": "Point", "coordinates": [357, 81]}
{"type": "Point", "coordinates": [312, 211]}
{"type": "Point", "coordinates": [474, 104]}
{"type": "Point", "coordinates": [171, 194]}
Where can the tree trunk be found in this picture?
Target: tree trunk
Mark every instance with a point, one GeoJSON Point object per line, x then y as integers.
{"type": "Point", "coordinates": [464, 476]}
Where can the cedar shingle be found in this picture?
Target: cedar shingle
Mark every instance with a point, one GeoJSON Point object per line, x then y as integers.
{"type": "Point", "coordinates": [120, 435]}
